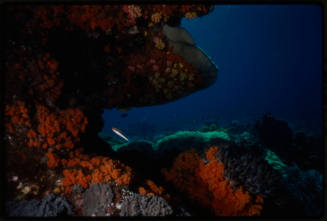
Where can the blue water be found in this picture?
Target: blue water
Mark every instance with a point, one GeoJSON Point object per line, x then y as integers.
{"type": "Point", "coordinates": [269, 59]}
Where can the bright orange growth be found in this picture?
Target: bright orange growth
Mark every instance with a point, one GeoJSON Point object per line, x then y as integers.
{"type": "Point", "coordinates": [49, 86]}
{"type": "Point", "coordinates": [106, 17]}
{"type": "Point", "coordinates": [152, 189]}
{"type": "Point", "coordinates": [53, 159]}
{"type": "Point", "coordinates": [168, 74]}
{"type": "Point", "coordinates": [75, 176]}
{"type": "Point", "coordinates": [82, 169]}
{"type": "Point", "coordinates": [205, 183]}
{"type": "Point", "coordinates": [142, 190]}
{"type": "Point", "coordinates": [16, 116]}
{"type": "Point", "coordinates": [57, 129]}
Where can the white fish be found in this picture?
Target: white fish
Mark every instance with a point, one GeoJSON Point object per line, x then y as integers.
{"type": "Point", "coordinates": [119, 133]}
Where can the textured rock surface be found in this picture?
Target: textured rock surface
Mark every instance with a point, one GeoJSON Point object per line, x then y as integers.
{"type": "Point", "coordinates": [185, 46]}
{"type": "Point", "coordinates": [96, 199]}
{"type": "Point", "coordinates": [142, 205]}
{"type": "Point", "coordinates": [247, 166]}
{"type": "Point", "coordinates": [49, 206]}
{"type": "Point", "coordinates": [185, 139]}
{"type": "Point", "coordinates": [306, 190]}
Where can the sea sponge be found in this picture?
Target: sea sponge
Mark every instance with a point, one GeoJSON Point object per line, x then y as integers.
{"type": "Point", "coordinates": [142, 205]}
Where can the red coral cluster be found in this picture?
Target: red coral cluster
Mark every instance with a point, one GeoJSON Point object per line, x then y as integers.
{"type": "Point", "coordinates": [37, 72]}
{"type": "Point", "coordinates": [57, 129]}
{"type": "Point", "coordinates": [16, 116]}
{"type": "Point", "coordinates": [107, 17]}
{"type": "Point", "coordinates": [152, 189]}
{"type": "Point", "coordinates": [205, 183]}
{"type": "Point", "coordinates": [161, 13]}
{"type": "Point", "coordinates": [167, 74]}
{"type": "Point", "coordinates": [84, 170]}
{"type": "Point", "coordinates": [50, 85]}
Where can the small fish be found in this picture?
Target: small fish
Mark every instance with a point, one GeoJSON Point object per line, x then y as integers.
{"type": "Point", "coordinates": [119, 133]}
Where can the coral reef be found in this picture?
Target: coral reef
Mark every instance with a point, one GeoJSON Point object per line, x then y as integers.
{"type": "Point", "coordinates": [69, 62]}
{"type": "Point", "coordinates": [49, 206]}
{"type": "Point", "coordinates": [204, 182]}
{"type": "Point", "coordinates": [82, 169]}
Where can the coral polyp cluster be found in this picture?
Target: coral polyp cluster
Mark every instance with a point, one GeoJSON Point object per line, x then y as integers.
{"type": "Point", "coordinates": [16, 117]}
{"type": "Point", "coordinates": [83, 170]}
{"type": "Point", "coordinates": [204, 182]}
{"type": "Point", "coordinates": [109, 17]}
{"type": "Point", "coordinates": [57, 130]}
{"type": "Point", "coordinates": [170, 76]}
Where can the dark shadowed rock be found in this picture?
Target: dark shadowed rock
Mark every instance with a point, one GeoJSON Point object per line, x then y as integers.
{"type": "Point", "coordinates": [96, 199]}
{"type": "Point", "coordinates": [49, 206]}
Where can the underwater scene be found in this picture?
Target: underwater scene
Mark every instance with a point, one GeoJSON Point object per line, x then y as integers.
{"type": "Point", "coordinates": [170, 110]}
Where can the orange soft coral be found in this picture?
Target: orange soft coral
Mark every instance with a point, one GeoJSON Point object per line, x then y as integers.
{"type": "Point", "coordinates": [53, 159]}
{"type": "Point", "coordinates": [90, 17]}
{"type": "Point", "coordinates": [16, 116]}
{"type": "Point", "coordinates": [205, 183]}
{"type": "Point", "coordinates": [93, 170]}
{"type": "Point", "coordinates": [57, 129]}
{"type": "Point", "coordinates": [152, 189]}
{"type": "Point", "coordinates": [168, 74]}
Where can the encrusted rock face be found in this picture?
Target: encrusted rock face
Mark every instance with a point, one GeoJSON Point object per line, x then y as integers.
{"type": "Point", "coordinates": [247, 166]}
{"type": "Point", "coordinates": [49, 206]}
{"type": "Point", "coordinates": [142, 205]}
{"type": "Point", "coordinates": [96, 199]}
{"type": "Point", "coordinates": [184, 45]}
{"type": "Point", "coordinates": [305, 188]}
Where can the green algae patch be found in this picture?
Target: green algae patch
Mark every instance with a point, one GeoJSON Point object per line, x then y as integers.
{"type": "Point", "coordinates": [191, 139]}
{"type": "Point", "coordinates": [180, 140]}
{"type": "Point", "coordinates": [275, 162]}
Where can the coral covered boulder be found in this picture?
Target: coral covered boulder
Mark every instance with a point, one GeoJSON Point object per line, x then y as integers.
{"type": "Point", "coordinates": [184, 45]}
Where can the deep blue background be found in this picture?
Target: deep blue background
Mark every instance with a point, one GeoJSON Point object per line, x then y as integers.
{"type": "Point", "coordinates": [269, 59]}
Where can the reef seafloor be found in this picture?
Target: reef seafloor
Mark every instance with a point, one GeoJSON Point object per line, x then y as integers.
{"type": "Point", "coordinates": [262, 169]}
{"type": "Point", "coordinates": [65, 63]}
